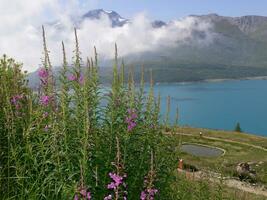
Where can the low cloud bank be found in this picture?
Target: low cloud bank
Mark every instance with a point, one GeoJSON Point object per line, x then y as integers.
{"type": "Point", "coordinates": [20, 32]}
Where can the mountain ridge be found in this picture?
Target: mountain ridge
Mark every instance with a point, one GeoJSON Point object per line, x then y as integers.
{"type": "Point", "coordinates": [239, 49]}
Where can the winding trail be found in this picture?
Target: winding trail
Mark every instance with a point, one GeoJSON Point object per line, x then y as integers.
{"type": "Point", "coordinates": [222, 140]}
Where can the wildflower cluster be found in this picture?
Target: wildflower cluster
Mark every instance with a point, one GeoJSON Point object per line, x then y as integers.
{"type": "Point", "coordinates": [117, 181]}
{"type": "Point", "coordinates": [131, 119]}
{"type": "Point", "coordinates": [83, 194]}
{"type": "Point", "coordinates": [148, 194]}
{"type": "Point", "coordinates": [81, 131]}
{"type": "Point", "coordinates": [79, 79]}
{"type": "Point", "coordinates": [43, 75]}
{"type": "Point", "coordinates": [118, 186]}
{"type": "Point", "coordinates": [16, 101]}
{"type": "Point", "coordinates": [45, 100]}
{"type": "Point", "coordinates": [149, 191]}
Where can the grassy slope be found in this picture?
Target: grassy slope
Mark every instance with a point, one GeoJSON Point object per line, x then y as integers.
{"type": "Point", "coordinates": [237, 146]}
{"type": "Point", "coordinates": [236, 152]}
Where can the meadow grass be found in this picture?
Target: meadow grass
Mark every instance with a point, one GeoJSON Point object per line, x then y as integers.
{"type": "Point", "coordinates": [62, 143]}
{"type": "Point", "coordinates": [236, 145]}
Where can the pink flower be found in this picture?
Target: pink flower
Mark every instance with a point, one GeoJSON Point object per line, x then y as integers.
{"type": "Point", "coordinates": [14, 100]}
{"type": "Point", "coordinates": [116, 178]}
{"type": "Point", "coordinates": [111, 185]}
{"type": "Point", "coordinates": [44, 100]}
{"type": "Point", "coordinates": [130, 120]}
{"type": "Point", "coordinates": [115, 184]}
{"type": "Point", "coordinates": [131, 125]}
{"type": "Point", "coordinates": [152, 192]}
{"type": "Point", "coordinates": [81, 79]}
{"type": "Point", "coordinates": [76, 197]}
{"type": "Point", "coordinates": [143, 195]}
{"type": "Point", "coordinates": [148, 193]}
{"type": "Point", "coordinates": [72, 77]}
{"type": "Point", "coordinates": [88, 196]}
{"type": "Point", "coordinates": [109, 197]}
{"type": "Point", "coordinates": [83, 192]}
{"type": "Point", "coordinates": [43, 73]}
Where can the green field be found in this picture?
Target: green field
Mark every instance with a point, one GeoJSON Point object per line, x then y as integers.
{"type": "Point", "coordinates": [239, 147]}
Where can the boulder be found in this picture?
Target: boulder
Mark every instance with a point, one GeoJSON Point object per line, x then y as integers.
{"type": "Point", "coordinates": [245, 172]}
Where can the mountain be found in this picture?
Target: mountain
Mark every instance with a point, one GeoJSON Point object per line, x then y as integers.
{"type": "Point", "coordinates": [238, 49]}
{"type": "Point", "coordinates": [158, 24]}
{"type": "Point", "coordinates": [115, 18]}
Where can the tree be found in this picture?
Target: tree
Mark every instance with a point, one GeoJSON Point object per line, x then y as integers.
{"type": "Point", "coordinates": [238, 128]}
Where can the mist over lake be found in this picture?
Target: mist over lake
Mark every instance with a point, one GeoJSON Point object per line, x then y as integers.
{"type": "Point", "coordinates": [218, 105]}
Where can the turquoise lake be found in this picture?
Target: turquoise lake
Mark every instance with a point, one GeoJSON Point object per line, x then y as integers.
{"type": "Point", "coordinates": [218, 105]}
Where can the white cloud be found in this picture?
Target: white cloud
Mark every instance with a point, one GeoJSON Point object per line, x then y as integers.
{"type": "Point", "coordinates": [20, 32]}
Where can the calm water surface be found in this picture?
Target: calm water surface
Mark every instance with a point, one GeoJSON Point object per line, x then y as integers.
{"type": "Point", "coordinates": [199, 150]}
{"type": "Point", "coordinates": [219, 105]}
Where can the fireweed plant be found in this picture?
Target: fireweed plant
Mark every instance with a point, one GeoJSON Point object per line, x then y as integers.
{"type": "Point", "coordinates": [62, 142]}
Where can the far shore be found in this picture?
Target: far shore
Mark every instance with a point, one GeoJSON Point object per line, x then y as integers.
{"type": "Point", "coordinates": [217, 80]}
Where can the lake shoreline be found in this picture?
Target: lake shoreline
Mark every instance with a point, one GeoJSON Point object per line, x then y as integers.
{"type": "Point", "coordinates": [215, 80]}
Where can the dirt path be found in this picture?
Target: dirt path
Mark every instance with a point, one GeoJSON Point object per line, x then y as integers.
{"type": "Point", "coordinates": [224, 140]}
{"type": "Point", "coordinates": [230, 182]}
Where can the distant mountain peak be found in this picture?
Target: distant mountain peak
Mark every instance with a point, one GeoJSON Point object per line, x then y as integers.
{"type": "Point", "coordinates": [247, 24]}
{"type": "Point", "coordinates": [108, 11]}
{"type": "Point", "coordinates": [114, 17]}
{"type": "Point", "coordinates": [158, 24]}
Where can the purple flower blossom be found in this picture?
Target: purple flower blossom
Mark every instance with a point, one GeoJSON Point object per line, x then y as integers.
{"type": "Point", "coordinates": [143, 195]}
{"type": "Point", "coordinates": [44, 100]}
{"type": "Point", "coordinates": [76, 197]}
{"type": "Point", "coordinates": [111, 186]}
{"type": "Point", "coordinates": [43, 73]}
{"type": "Point", "coordinates": [152, 191]}
{"type": "Point", "coordinates": [130, 120]}
{"type": "Point", "coordinates": [109, 197]}
{"type": "Point", "coordinates": [81, 79]}
{"type": "Point", "coordinates": [88, 196]}
{"type": "Point", "coordinates": [116, 178]}
{"type": "Point", "coordinates": [83, 194]}
{"type": "Point", "coordinates": [131, 125]}
{"type": "Point", "coordinates": [71, 77]}
{"type": "Point", "coordinates": [14, 100]}
{"type": "Point", "coordinates": [117, 181]}
{"type": "Point", "coordinates": [148, 194]}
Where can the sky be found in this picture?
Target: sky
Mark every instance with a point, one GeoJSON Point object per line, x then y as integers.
{"type": "Point", "coordinates": [169, 9]}
{"type": "Point", "coordinates": [21, 20]}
